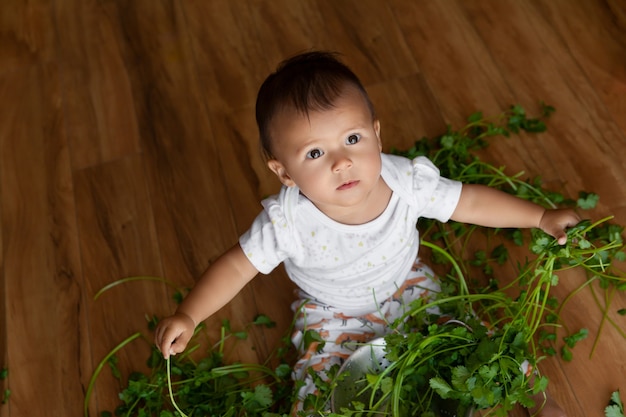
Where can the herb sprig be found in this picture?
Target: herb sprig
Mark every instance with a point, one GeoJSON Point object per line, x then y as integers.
{"type": "Point", "coordinates": [615, 407]}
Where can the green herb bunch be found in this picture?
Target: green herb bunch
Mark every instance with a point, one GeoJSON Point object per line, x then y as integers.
{"type": "Point", "coordinates": [597, 248]}
{"type": "Point", "coordinates": [457, 367]}
{"type": "Point", "coordinates": [486, 355]}
{"type": "Point", "coordinates": [206, 387]}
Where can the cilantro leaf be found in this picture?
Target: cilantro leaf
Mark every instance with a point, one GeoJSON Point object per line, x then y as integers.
{"type": "Point", "coordinates": [573, 339]}
{"type": "Point", "coordinates": [475, 117]}
{"type": "Point", "coordinates": [263, 320]}
{"type": "Point", "coordinates": [587, 201]}
{"type": "Point", "coordinates": [259, 399]}
{"type": "Point", "coordinates": [566, 354]}
{"type": "Point", "coordinates": [440, 386]}
{"type": "Point", "coordinates": [540, 385]}
{"type": "Point", "coordinates": [615, 407]}
{"type": "Point", "coordinates": [460, 374]}
{"type": "Point", "coordinates": [613, 411]}
{"type": "Point", "coordinates": [617, 400]}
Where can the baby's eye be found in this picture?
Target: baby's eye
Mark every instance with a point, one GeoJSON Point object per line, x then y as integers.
{"type": "Point", "coordinates": [314, 154]}
{"type": "Point", "coordinates": [352, 139]}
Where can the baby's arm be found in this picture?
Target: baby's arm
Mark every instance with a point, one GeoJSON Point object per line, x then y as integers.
{"type": "Point", "coordinates": [489, 207]}
{"type": "Point", "coordinates": [219, 284]}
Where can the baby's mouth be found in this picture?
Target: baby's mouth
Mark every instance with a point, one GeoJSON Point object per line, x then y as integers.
{"type": "Point", "coordinates": [347, 185]}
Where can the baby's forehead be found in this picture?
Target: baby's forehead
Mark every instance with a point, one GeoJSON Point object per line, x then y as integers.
{"type": "Point", "coordinates": [349, 109]}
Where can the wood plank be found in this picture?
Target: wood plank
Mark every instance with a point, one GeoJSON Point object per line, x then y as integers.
{"type": "Point", "coordinates": [407, 111]}
{"type": "Point", "coordinates": [4, 354]}
{"type": "Point", "coordinates": [41, 267]}
{"type": "Point", "coordinates": [118, 239]}
{"type": "Point", "coordinates": [28, 33]}
{"type": "Point", "coordinates": [285, 28]}
{"type": "Point", "coordinates": [367, 34]}
{"type": "Point", "coordinates": [229, 55]}
{"type": "Point", "coordinates": [455, 62]}
{"type": "Point", "coordinates": [40, 262]}
{"type": "Point", "coordinates": [603, 23]}
{"type": "Point", "coordinates": [101, 125]}
{"type": "Point", "coordinates": [538, 62]}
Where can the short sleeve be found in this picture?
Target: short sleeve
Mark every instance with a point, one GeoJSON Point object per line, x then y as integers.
{"type": "Point", "coordinates": [270, 239]}
{"type": "Point", "coordinates": [419, 183]}
{"type": "Point", "coordinates": [436, 196]}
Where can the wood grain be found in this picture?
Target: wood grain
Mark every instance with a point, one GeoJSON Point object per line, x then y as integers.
{"type": "Point", "coordinates": [41, 267]}
{"type": "Point", "coordinates": [128, 147]}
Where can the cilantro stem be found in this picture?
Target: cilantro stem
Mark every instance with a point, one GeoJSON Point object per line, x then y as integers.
{"type": "Point", "coordinates": [605, 316]}
{"type": "Point", "coordinates": [132, 279]}
{"type": "Point", "coordinates": [169, 388]}
{"type": "Point", "coordinates": [464, 290]}
{"type": "Point", "coordinates": [98, 369]}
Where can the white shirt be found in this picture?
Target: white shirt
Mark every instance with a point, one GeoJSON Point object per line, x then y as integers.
{"type": "Point", "coordinates": [351, 267]}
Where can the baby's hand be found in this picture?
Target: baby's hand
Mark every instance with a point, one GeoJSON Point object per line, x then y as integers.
{"type": "Point", "coordinates": [173, 333]}
{"type": "Point", "coordinates": [554, 222]}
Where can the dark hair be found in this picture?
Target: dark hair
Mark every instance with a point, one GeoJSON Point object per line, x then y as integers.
{"type": "Point", "coordinates": [305, 82]}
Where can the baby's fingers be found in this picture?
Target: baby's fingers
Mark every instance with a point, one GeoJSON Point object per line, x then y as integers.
{"type": "Point", "coordinates": [561, 237]}
{"type": "Point", "coordinates": [173, 333]}
{"type": "Point", "coordinates": [173, 341]}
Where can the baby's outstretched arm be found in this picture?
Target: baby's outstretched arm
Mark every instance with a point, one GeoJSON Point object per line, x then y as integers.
{"type": "Point", "coordinates": [219, 284]}
{"type": "Point", "coordinates": [489, 207]}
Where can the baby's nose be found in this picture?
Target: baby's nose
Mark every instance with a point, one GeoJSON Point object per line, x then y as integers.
{"type": "Point", "coordinates": [341, 163]}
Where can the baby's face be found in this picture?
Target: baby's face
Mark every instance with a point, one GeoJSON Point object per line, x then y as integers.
{"type": "Point", "coordinates": [333, 155]}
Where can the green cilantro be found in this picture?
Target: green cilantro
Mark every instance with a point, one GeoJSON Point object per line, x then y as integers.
{"type": "Point", "coordinates": [615, 407]}
{"type": "Point", "coordinates": [566, 354]}
{"type": "Point", "coordinates": [573, 339]}
{"type": "Point", "coordinates": [441, 387]}
{"type": "Point", "coordinates": [263, 320]}
{"type": "Point", "coordinates": [113, 360]}
{"type": "Point", "coordinates": [311, 336]}
{"type": "Point", "coordinates": [5, 396]}
{"type": "Point", "coordinates": [178, 297]}
{"type": "Point", "coordinates": [257, 400]}
{"type": "Point", "coordinates": [242, 335]}
{"type": "Point", "coordinates": [587, 201]}
{"type": "Point", "coordinates": [475, 117]}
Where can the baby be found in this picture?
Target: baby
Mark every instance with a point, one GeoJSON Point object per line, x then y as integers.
{"type": "Point", "coordinates": [344, 221]}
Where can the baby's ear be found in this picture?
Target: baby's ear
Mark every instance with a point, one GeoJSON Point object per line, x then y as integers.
{"type": "Point", "coordinates": [377, 130]}
{"type": "Point", "coordinates": [280, 171]}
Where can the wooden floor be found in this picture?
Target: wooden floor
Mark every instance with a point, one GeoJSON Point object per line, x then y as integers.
{"type": "Point", "coordinates": [128, 147]}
